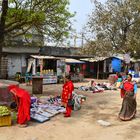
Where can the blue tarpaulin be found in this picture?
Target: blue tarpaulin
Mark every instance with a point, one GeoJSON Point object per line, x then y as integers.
{"type": "Point", "coordinates": [116, 65]}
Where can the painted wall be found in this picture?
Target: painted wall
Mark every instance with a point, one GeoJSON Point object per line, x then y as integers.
{"type": "Point", "coordinates": [16, 63]}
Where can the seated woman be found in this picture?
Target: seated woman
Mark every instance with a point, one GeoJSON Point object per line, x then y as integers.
{"type": "Point", "coordinates": [23, 101]}
{"type": "Point", "coordinates": [128, 109]}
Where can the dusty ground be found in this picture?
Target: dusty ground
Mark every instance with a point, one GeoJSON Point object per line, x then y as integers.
{"type": "Point", "coordinates": [83, 124]}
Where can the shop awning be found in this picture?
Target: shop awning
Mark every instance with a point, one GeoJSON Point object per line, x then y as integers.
{"type": "Point", "coordinates": [43, 57]}
{"type": "Point", "coordinates": [74, 61]}
{"type": "Point", "coordinates": [94, 59]}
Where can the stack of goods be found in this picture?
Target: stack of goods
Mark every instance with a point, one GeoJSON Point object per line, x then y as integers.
{"type": "Point", "coordinates": [5, 117]}
{"type": "Point", "coordinates": [43, 108]}
{"type": "Point", "coordinates": [108, 86]}
{"type": "Point", "coordinates": [78, 100]}
{"type": "Point", "coordinates": [97, 87]}
{"type": "Point", "coordinates": [94, 89]}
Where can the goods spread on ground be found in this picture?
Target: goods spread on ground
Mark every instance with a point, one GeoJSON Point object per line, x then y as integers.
{"type": "Point", "coordinates": [45, 107]}
{"type": "Point", "coordinates": [97, 87]}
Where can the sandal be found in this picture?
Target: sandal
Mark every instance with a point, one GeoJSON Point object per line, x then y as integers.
{"type": "Point", "coordinates": [22, 125]}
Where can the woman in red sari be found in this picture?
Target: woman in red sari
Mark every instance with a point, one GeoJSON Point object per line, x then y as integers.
{"type": "Point", "coordinates": [68, 87]}
{"type": "Point", "coordinates": [23, 101]}
{"type": "Point", "coordinates": [128, 109]}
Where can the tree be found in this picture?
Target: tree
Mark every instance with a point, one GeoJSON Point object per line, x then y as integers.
{"type": "Point", "coordinates": [47, 17]}
{"type": "Point", "coordinates": [116, 24]}
{"type": "Point", "coordinates": [97, 48]}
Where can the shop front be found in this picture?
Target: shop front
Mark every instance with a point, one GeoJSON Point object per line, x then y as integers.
{"type": "Point", "coordinates": [75, 68]}
{"type": "Point", "coordinates": [48, 67]}
{"type": "Point", "coordinates": [52, 69]}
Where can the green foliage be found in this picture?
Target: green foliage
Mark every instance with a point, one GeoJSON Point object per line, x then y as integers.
{"type": "Point", "coordinates": [97, 48]}
{"type": "Point", "coordinates": [47, 17]}
{"type": "Point", "coordinates": [116, 26]}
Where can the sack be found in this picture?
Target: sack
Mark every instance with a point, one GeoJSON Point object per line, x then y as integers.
{"type": "Point", "coordinates": [70, 102]}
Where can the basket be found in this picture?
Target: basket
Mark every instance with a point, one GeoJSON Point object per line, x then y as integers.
{"type": "Point", "coordinates": [5, 120]}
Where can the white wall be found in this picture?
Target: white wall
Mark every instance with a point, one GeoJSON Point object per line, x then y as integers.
{"type": "Point", "coordinates": [15, 64]}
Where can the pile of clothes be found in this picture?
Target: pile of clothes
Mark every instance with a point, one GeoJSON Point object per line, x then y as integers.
{"type": "Point", "coordinates": [97, 87]}
{"type": "Point", "coordinates": [78, 100]}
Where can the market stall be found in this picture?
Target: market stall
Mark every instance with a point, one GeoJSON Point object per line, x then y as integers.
{"type": "Point", "coordinates": [48, 67]}
{"type": "Point", "coordinates": [75, 68]}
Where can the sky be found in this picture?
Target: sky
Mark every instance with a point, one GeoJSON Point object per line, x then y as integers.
{"type": "Point", "coordinates": [82, 8]}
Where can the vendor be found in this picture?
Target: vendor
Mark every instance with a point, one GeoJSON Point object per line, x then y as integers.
{"type": "Point", "coordinates": [68, 88]}
{"type": "Point", "coordinates": [23, 101]}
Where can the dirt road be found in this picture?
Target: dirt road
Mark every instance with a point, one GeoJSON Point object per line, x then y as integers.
{"type": "Point", "coordinates": [83, 124]}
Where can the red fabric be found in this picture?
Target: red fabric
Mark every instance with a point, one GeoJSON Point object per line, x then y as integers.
{"type": "Point", "coordinates": [116, 77]}
{"type": "Point", "coordinates": [68, 87]}
{"type": "Point", "coordinates": [84, 66]}
{"type": "Point", "coordinates": [24, 104]}
{"type": "Point", "coordinates": [122, 93]}
{"type": "Point", "coordinates": [12, 87]}
{"type": "Point", "coordinates": [68, 111]}
{"type": "Point", "coordinates": [128, 86]}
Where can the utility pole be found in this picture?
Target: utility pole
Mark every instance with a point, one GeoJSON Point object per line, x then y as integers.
{"type": "Point", "coordinates": [98, 69]}
{"type": "Point", "coordinates": [75, 38]}
{"type": "Point", "coordinates": [82, 40]}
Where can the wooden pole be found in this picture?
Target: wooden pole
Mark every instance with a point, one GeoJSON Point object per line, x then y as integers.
{"type": "Point", "coordinates": [98, 68]}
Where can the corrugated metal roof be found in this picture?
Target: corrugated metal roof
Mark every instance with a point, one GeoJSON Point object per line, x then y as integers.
{"type": "Point", "coordinates": [94, 59]}
{"type": "Point", "coordinates": [73, 61]}
{"type": "Point", "coordinates": [43, 57]}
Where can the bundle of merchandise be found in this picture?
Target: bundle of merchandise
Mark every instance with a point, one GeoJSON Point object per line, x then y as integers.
{"type": "Point", "coordinates": [78, 100]}
{"type": "Point", "coordinates": [93, 89]}
{"type": "Point", "coordinates": [43, 108]}
{"type": "Point", "coordinates": [97, 87]}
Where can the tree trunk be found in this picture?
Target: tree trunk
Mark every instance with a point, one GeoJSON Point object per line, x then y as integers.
{"type": "Point", "coordinates": [1, 44]}
{"type": "Point", "coordinates": [2, 29]}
